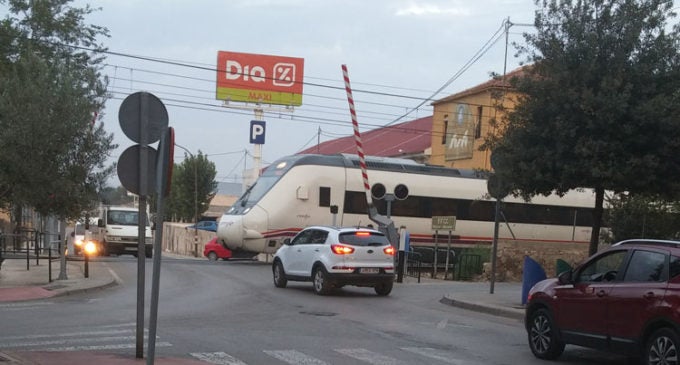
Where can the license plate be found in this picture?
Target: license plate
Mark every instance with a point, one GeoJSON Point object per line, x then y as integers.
{"type": "Point", "coordinates": [369, 270]}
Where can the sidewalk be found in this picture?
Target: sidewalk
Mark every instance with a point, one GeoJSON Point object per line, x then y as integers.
{"type": "Point", "coordinates": [17, 284]}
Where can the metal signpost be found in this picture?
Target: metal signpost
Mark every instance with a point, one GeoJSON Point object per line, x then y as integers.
{"type": "Point", "coordinates": [442, 223]}
{"type": "Point", "coordinates": [143, 118]}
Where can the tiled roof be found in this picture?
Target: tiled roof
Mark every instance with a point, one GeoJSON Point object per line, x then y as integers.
{"type": "Point", "coordinates": [400, 139]}
{"type": "Point", "coordinates": [494, 83]}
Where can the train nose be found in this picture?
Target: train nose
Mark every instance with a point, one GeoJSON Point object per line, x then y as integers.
{"type": "Point", "coordinates": [230, 230]}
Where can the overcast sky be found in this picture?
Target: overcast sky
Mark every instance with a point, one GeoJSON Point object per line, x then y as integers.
{"type": "Point", "coordinates": [401, 52]}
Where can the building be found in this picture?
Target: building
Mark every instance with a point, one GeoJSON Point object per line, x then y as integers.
{"type": "Point", "coordinates": [409, 140]}
{"type": "Point", "coordinates": [461, 121]}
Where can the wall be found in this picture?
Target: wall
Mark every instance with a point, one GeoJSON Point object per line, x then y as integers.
{"type": "Point", "coordinates": [180, 240]}
{"type": "Point", "coordinates": [511, 257]}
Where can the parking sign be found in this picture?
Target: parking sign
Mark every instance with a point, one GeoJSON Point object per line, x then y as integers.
{"type": "Point", "coordinates": [257, 129]}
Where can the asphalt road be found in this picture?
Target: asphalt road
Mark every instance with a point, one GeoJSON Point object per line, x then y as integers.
{"type": "Point", "coordinates": [231, 313]}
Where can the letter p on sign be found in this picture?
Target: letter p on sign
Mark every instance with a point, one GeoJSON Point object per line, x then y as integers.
{"type": "Point", "coordinates": [257, 128]}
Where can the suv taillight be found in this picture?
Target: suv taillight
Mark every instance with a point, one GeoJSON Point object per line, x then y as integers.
{"type": "Point", "coordinates": [342, 249]}
{"type": "Point", "coordinates": [389, 250]}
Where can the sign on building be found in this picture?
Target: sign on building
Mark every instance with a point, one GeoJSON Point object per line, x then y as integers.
{"type": "Point", "coordinates": [460, 133]}
{"type": "Point", "coordinates": [257, 78]}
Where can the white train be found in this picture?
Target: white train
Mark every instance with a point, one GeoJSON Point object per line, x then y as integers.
{"type": "Point", "coordinates": [297, 191]}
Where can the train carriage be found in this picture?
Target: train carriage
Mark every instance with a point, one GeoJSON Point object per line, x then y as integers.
{"type": "Point", "coordinates": [297, 191]}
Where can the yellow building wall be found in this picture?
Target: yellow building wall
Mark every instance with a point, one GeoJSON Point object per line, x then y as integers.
{"type": "Point", "coordinates": [456, 131]}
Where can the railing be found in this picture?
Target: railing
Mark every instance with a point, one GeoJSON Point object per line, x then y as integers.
{"type": "Point", "coordinates": [422, 258]}
{"type": "Point", "coordinates": [468, 266]}
{"type": "Point", "coordinates": [30, 244]}
{"type": "Point", "coordinates": [413, 265]}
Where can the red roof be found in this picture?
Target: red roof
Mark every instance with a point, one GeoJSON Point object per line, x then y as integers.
{"type": "Point", "coordinates": [494, 83]}
{"type": "Point", "coordinates": [395, 140]}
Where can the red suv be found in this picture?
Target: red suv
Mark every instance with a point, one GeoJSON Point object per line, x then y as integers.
{"type": "Point", "coordinates": [625, 299]}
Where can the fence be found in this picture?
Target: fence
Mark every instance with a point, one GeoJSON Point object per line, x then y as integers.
{"type": "Point", "coordinates": [30, 244]}
{"type": "Point", "coordinates": [428, 258]}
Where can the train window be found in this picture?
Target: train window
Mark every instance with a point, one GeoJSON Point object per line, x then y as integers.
{"type": "Point", "coordinates": [473, 210]}
{"type": "Point", "coordinates": [324, 196]}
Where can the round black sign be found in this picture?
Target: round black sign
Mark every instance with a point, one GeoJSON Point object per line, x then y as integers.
{"type": "Point", "coordinates": [143, 111]}
{"type": "Point", "coordinates": [128, 169]}
{"type": "Point", "coordinates": [497, 188]}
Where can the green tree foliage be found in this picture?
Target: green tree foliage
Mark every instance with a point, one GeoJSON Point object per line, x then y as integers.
{"type": "Point", "coordinates": [52, 153]}
{"type": "Point", "coordinates": [639, 216]}
{"type": "Point", "coordinates": [598, 106]}
{"type": "Point", "coordinates": [193, 187]}
{"type": "Point", "coordinates": [115, 196]}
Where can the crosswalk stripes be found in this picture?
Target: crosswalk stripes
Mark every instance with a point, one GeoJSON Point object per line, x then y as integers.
{"type": "Point", "coordinates": [114, 337]}
{"type": "Point", "coordinates": [294, 357]}
{"type": "Point", "coordinates": [217, 358]}
{"type": "Point", "coordinates": [370, 356]}
{"type": "Point", "coordinates": [441, 355]}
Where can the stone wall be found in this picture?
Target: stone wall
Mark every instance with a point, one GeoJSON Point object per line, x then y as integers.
{"type": "Point", "coordinates": [511, 257]}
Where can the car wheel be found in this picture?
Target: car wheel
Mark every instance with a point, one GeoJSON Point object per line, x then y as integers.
{"type": "Point", "coordinates": [383, 289]}
{"type": "Point", "coordinates": [662, 348]}
{"type": "Point", "coordinates": [279, 275]}
{"type": "Point", "coordinates": [320, 279]}
{"type": "Point", "coordinates": [212, 256]}
{"type": "Point", "coordinates": [543, 339]}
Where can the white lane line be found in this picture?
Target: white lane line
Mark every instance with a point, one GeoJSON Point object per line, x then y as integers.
{"type": "Point", "coordinates": [129, 324]}
{"type": "Point", "coordinates": [116, 277]}
{"type": "Point", "coordinates": [436, 354]}
{"type": "Point", "coordinates": [73, 341]}
{"type": "Point", "coordinates": [369, 356]}
{"type": "Point", "coordinates": [24, 305]}
{"type": "Point", "coordinates": [71, 334]}
{"type": "Point", "coordinates": [96, 348]}
{"type": "Point", "coordinates": [218, 358]}
{"type": "Point", "coordinates": [295, 357]}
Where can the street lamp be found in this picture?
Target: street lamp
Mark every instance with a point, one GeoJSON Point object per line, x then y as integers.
{"type": "Point", "coordinates": [195, 199]}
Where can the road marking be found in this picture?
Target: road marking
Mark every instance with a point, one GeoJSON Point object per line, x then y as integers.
{"type": "Point", "coordinates": [71, 334]}
{"type": "Point", "coordinates": [23, 306]}
{"type": "Point", "coordinates": [116, 277]}
{"type": "Point", "coordinates": [23, 344]}
{"type": "Point", "coordinates": [295, 357]}
{"type": "Point", "coordinates": [102, 347]}
{"type": "Point", "coordinates": [369, 356]}
{"type": "Point", "coordinates": [436, 354]}
{"type": "Point", "coordinates": [218, 358]}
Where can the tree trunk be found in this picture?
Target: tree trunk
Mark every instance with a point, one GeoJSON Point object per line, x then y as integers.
{"type": "Point", "coordinates": [597, 220]}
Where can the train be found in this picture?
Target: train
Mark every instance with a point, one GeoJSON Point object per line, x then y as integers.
{"type": "Point", "coordinates": [302, 190]}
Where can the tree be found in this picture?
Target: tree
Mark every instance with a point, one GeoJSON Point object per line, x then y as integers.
{"type": "Point", "coordinates": [115, 196]}
{"type": "Point", "coordinates": [52, 153]}
{"type": "Point", "coordinates": [598, 106]}
{"type": "Point", "coordinates": [637, 216]}
{"type": "Point", "coordinates": [193, 187]}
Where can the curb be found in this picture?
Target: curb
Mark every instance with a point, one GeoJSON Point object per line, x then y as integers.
{"type": "Point", "coordinates": [69, 291]}
{"type": "Point", "coordinates": [511, 313]}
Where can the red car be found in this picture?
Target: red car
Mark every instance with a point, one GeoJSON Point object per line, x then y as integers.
{"type": "Point", "coordinates": [215, 250]}
{"type": "Point", "coordinates": [625, 299]}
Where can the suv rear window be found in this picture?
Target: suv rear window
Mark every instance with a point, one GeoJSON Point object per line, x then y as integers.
{"type": "Point", "coordinates": [363, 238]}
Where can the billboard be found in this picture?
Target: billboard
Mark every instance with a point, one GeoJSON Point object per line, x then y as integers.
{"type": "Point", "coordinates": [460, 134]}
{"type": "Point", "coordinates": [257, 78]}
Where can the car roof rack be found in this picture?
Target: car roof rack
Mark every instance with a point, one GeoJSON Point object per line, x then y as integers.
{"type": "Point", "coordinates": [646, 241]}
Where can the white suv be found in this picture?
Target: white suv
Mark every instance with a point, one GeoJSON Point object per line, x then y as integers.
{"type": "Point", "coordinates": [333, 257]}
